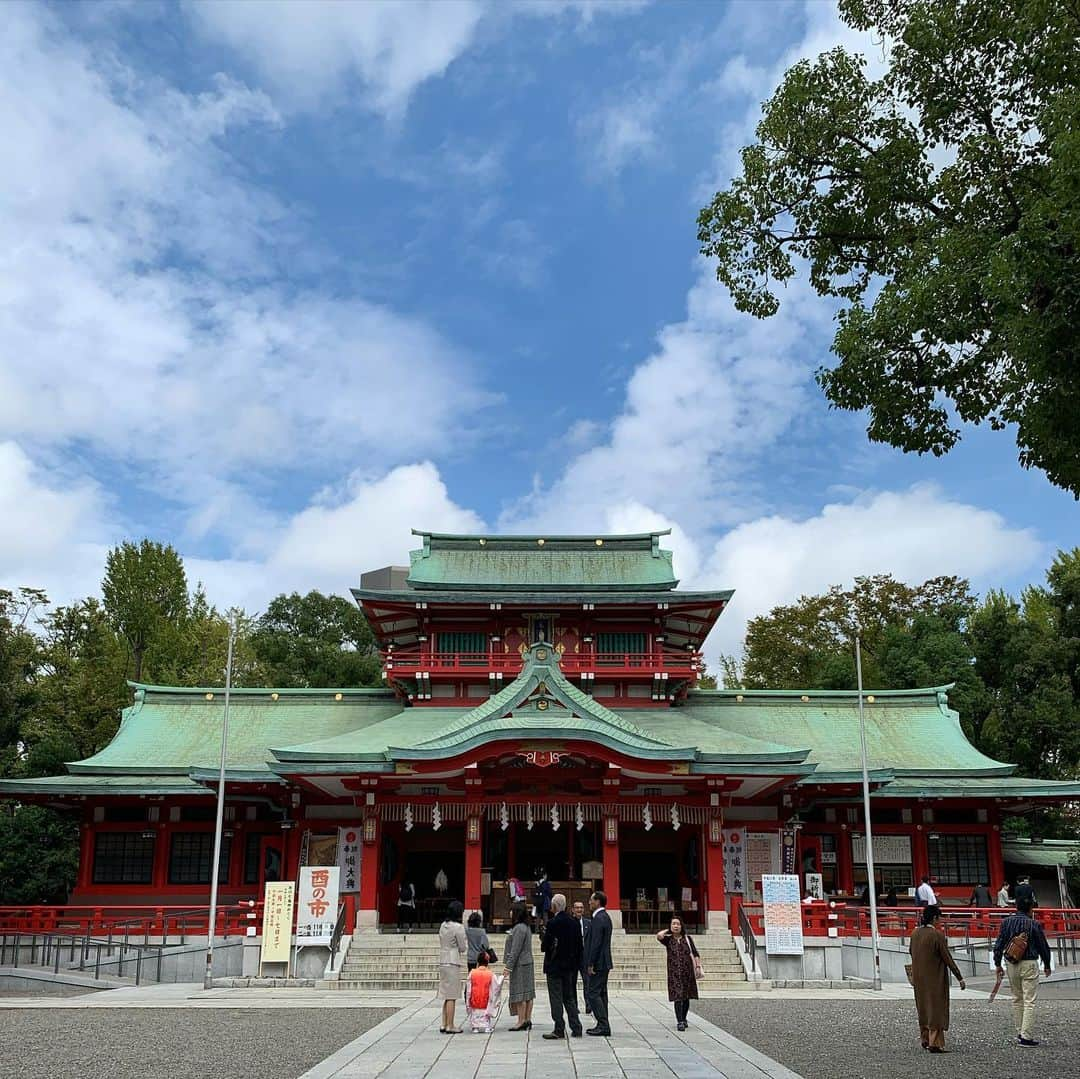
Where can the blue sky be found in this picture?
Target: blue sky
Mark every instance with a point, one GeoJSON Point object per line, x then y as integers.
{"type": "Point", "coordinates": [284, 280]}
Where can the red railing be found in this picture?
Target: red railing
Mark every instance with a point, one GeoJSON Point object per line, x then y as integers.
{"type": "Point", "coordinates": [967, 922]}
{"type": "Point", "coordinates": [645, 663]}
{"type": "Point", "coordinates": [232, 919]}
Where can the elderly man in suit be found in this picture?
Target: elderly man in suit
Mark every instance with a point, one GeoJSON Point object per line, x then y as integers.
{"type": "Point", "coordinates": [562, 960]}
{"type": "Point", "coordinates": [586, 925]}
{"type": "Point", "coordinates": [598, 963]}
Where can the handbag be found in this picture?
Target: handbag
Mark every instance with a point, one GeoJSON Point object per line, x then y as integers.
{"type": "Point", "coordinates": [492, 957]}
{"type": "Point", "coordinates": [699, 970]}
{"type": "Point", "coordinates": [907, 971]}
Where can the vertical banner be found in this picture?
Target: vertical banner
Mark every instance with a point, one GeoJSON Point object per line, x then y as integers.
{"type": "Point", "coordinates": [783, 914]}
{"type": "Point", "coordinates": [317, 906]}
{"type": "Point", "coordinates": [735, 860]}
{"type": "Point", "coordinates": [787, 850]}
{"type": "Point", "coordinates": [348, 858]}
{"type": "Point", "coordinates": [277, 921]}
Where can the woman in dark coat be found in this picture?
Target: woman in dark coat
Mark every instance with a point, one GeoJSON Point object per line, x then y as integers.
{"type": "Point", "coordinates": [931, 962]}
{"type": "Point", "coordinates": [682, 961]}
{"type": "Point", "coordinates": [518, 966]}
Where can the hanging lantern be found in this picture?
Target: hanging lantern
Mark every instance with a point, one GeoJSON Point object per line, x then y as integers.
{"type": "Point", "coordinates": [676, 824]}
{"type": "Point", "coordinates": [408, 818]}
{"type": "Point", "coordinates": [528, 816]}
{"type": "Point", "coordinates": [646, 818]}
{"type": "Point", "coordinates": [504, 817]}
{"type": "Point", "coordinates": [579, 818]}
{"type": "Point", "coordinates": [554, 818]}
{"type": "Point", "coordinates": [436, 817]}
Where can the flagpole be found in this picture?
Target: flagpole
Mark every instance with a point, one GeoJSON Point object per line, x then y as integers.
{"type": "Point", "coordinates": [211, 923]}
{"type": "Point", "coordinates": [871, 881]}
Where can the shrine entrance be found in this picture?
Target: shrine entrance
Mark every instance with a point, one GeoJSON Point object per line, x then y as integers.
{"type": "Point", "coordinates": [660, 876]}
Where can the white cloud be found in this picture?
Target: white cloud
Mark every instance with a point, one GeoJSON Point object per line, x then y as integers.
{"type": "Point", "coordinates": [914, 535]}
{"type": "Point", "coordinates": [141, 296]}
{"type": "Point", "coordinates": [52, 528]}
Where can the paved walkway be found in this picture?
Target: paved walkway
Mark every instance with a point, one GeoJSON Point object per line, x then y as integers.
{"type": "Point", "coordinates": [645, 1046]}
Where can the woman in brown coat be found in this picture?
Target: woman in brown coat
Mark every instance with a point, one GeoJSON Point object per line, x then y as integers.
{"type": "Point", "coordinates": [931, 962]}
{"type": "Point", "coordinates": [682, 965]}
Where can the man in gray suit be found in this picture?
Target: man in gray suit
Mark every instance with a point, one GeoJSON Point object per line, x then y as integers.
{"type": "Point", "coordinates": [599, 964]}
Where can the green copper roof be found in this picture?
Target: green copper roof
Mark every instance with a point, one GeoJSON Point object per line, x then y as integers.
{"type": "Point", "coordinates": [170, 731]}
{"type": "Point", "coordinates": [1050, 852]}
{"type": "Point", "coordinates": [539, 563]}
{"type": "Point", "coordinates": [952, 786]}
{"type": "Point", "coordinates": [908, 731]}
{"type": "Point", "coordinates": [96, 784]}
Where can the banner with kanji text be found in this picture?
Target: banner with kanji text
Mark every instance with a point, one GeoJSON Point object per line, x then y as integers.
{"type": "Point", "coordinates": [317, 905]}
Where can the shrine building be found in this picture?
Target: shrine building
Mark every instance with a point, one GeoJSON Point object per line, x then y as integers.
{"type": "Point", "coordinates": [540, 712]}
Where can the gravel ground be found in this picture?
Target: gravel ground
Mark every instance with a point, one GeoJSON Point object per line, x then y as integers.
{"type": "Point", "coordinates": [209, 1043]}
{"type": "Point", "coordinates": [847, 1039]}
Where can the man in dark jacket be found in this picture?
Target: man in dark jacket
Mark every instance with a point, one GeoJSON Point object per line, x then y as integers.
{"type": "Point", "coordinates": [585, 922]}
{"type": "Point", "coordinates": [598, 963]}
{"type": "Point", "coordinates": [1024, 973]}
{"type": "Point", "coordinates": [562, 959]}
{"type": "Point", "coordinates": [981, 897]}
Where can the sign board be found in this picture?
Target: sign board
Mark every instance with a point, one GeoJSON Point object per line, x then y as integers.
{"type": "Point", "coordinates": [278, 899]}
{"type": "Point", "coordinates": [317, 908]}
{"type": "Point", "coordinates": [348, 858]}
{"type": "Point", "coordinates": [888, 849]}
{"type": "Point", "coordinates": [734, 840]}
{"type": "Point", "coordinates": [783, 914]}
{"type": "Point", "coordinates": [787, 850]}
{"type": "Point", "coordinates": [762, 856]}
{"type": "Point", "coordinates": [815, 886]}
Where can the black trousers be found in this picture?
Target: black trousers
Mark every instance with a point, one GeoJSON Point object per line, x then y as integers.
{"type": "Point", "coordinates": [682, 1009]}
{"type": "Point", "coordinates": [598, 998]}
{"type": "Point", "coordinates": [562, 993]}
{"type": "Point", "coordinates": [585, 989]}
{"type": "Point", "coordinates": [406, 916]}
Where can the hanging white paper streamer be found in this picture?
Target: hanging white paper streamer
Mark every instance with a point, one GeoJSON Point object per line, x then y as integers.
{"type": "Point", "coordinates": [676, 824]}
{"type": "Point", "coordinates": [579, 818]}
{"type": "Point", "coordinates": [408, 818]}
{"type": "Point", "coordinates": [528, 816]}
{"type": "Point", "coordinates": [555, 818]}
{"type": "Point", "coordinates": [436, 818]}
{"type": "Point", "coordinates": [646, 818]}
{"type": "Point", "coordinates": [504, 817]}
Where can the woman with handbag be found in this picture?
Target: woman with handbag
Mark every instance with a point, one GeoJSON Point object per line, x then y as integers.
{"type": "Point", "coordinates": [518, 963]}
{"type": "Point", "coordinates": [683, 969]}
{"type": "Point", "coordinates": [931, 962]}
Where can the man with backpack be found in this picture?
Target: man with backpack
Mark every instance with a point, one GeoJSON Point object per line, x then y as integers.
{"type": "Point", "coordinates": [1022, 943]}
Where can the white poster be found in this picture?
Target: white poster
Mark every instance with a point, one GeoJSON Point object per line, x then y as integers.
{"type": "Point", "coordinates": [783, 914]}
{"type": "Point", "coordinates": [888, 849]}
{"type": "Point", "coordinates": [762, 856]}
{"type": "Point", "coordinates": [348, 858]}
{"type": "Point", "coordinates": [317, 906]}
{"type": "Point", "coordinates": [735, 860]}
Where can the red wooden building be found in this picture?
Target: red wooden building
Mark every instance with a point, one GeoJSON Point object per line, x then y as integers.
{"type": "Point", "coordinates": [540, 710]}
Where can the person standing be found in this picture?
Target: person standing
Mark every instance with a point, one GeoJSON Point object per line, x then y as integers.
{"type": "Point", "coordinates": [518, 964]}
{"type": "Point", "coordinates": [981, 897]}
{"type": "Point", "coordinates": [931, 962]}
{"type": "Point", "coordinates": [683, 964]}
{"type": "Point", "coordinates": [586, 924]}
{"type": "Point", "coordinates": [925, 896]}
{"type": "Point", "coordinates": [1022, 942]}
{"type": "Point", "coordinates": [1024, 892]}
{"type": "Point", "coordinates": [478, 939]}
{"type": "Point", "coordinates": [561, 946]}
{"type": "Point", "coordinates": [599, 963]}
{"type": "Point", "coordinates": [406, 907]}
{"type": "Point", "coordinates": [1003, 899]}
{"type": "Point", "coordinates": [453, 951]}
{"type": "Point", "coordinates": [541, 897]}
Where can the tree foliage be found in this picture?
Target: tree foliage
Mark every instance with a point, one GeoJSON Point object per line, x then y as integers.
{"type": "Point", "coordinates": [939, 203]}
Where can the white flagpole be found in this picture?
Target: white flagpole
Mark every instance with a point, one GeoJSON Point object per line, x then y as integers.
{"type": "Point", "coordinates": [871, 882]}
{"type": "Point", "coordinates": [208, 976]}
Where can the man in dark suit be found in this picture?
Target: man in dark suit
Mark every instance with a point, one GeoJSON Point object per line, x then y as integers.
{"type": "Point", "coordinates": [585, 922]}
{"type": "Point", "coordinates": [562, 960]}
{"type": "Point", "coordinates": [599, 963]}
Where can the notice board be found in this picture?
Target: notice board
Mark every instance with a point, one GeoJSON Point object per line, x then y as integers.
{"type": "Point", "coordinates": [783, 914]}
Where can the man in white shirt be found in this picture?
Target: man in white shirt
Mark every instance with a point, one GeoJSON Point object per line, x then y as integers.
{"type": "Point", "coordinates": [925, 896]}
{"type": "Point", "coordinates": [1003, 899]}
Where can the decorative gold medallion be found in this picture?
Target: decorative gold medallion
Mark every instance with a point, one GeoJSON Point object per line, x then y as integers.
{"type": "Point", "coordinates": [541, 653]}
{"type": "Point", "coordinates": [542, 704]}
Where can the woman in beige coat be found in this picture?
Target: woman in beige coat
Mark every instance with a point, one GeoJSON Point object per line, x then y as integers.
{"type": "Point", "coordinates": [453, 953]}
{"type": "Point", "coordinates": [931, 962]}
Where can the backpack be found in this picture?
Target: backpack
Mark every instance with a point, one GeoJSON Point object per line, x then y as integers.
{"type": "Point", "coordinates": [1017, 947]}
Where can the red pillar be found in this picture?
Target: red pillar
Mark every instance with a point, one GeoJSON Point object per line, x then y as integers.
{"type": "Point", "coordinates": [611, 868]}
{"type": "Point", "coordinates": [995, 856]}
{"type": "Point", "coordinates": [473, 862]}
{"type": "Point", "coordinates": [845, 874]}
{"type": "Point", "coordinates": [920, 853]}
{"type": "Point", "coordinates": [367, 915]}
{"type": "Point", "coordinates": [715, 893]}
{"type": "Point", "coordinates": [86, 855]}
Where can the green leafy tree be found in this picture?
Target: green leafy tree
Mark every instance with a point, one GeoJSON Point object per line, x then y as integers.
{"type": "Point", "coordinates": [19, 659]}
{"type": "Point", "coordinates": [939, 204]}
{"type": "Point", "coordinates": [316, 640]}
{"type": "Point", "coordinates": [39, 855]}
{"type": "Point", "coordinates": [145, 593]}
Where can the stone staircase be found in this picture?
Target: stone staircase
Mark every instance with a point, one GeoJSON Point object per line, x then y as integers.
{"type": "Point", "coordinates": [387, 961]}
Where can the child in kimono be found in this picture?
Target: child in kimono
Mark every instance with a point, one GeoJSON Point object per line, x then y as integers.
{"type": "Point", "coordinates": [483, 990]}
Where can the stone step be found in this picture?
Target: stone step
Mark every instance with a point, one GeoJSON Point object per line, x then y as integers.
{"type": "Point", "coordinates": [653, 985]}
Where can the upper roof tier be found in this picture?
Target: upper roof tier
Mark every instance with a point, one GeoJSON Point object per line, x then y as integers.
{"type": "Point", "coordinates": [542, 563]}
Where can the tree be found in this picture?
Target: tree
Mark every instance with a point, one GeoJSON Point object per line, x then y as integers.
{"type": "Point", "coordinates": [19, 659]}
{"type": "Point", "coordinates": [939, 202]}
{"type": "Point", "coordinates": [145, 593]}
{"type": "Point", "coordinates": [39, 855]}
{"type": "Point", "coordinates": [316, 640]}
{"type": "Point", "coordinates": [810, 643]}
